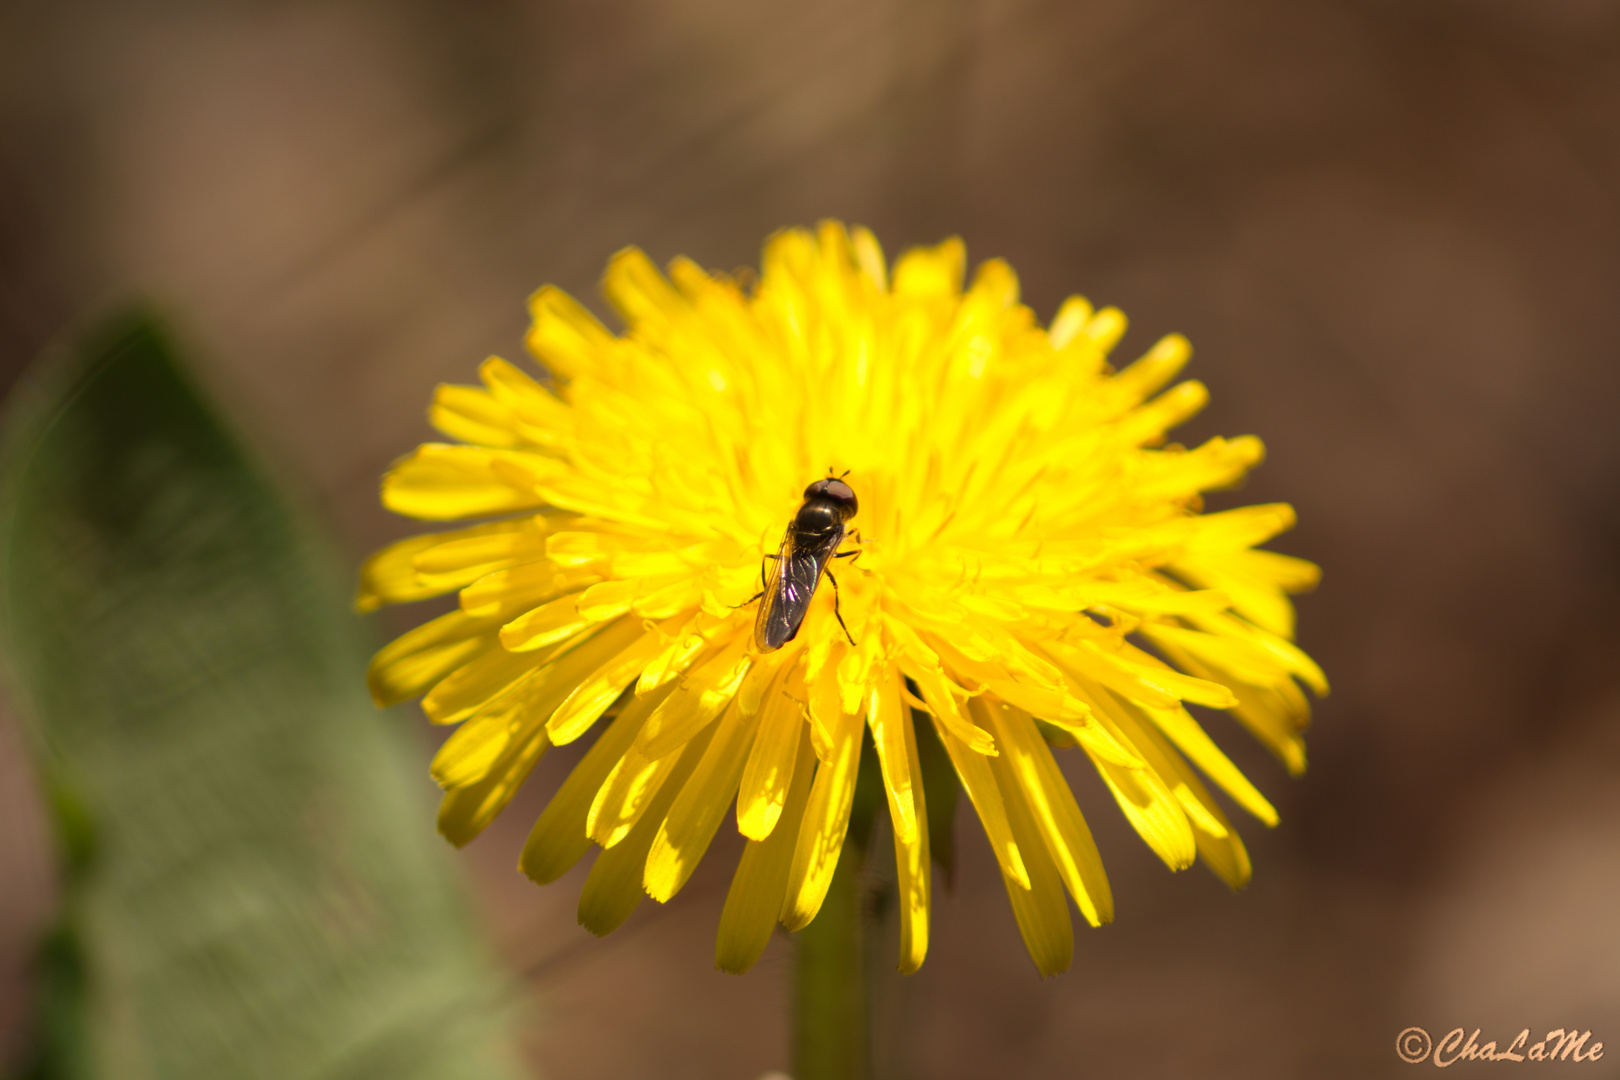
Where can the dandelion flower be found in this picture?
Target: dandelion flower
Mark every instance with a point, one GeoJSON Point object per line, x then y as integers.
{"type": "Point", "coordinates": [1033, 571]}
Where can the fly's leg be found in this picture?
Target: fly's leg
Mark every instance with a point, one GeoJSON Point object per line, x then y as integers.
{"type": "Point", "coordinates": [764, 586]}
{"type": "Point", "coordinates": [853, 553]}
{"type": "Point", "coordinates": [836, 613]}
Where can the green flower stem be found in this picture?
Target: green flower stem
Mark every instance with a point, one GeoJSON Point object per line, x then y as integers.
{"type": "Point", "coordinates": [830, 1010]}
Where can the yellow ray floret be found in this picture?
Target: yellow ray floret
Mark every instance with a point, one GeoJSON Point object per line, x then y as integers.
{"type": "Point", "coordinates": [1029, 570]}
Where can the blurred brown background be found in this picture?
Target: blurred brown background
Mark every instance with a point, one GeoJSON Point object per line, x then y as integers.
{"type": "Point", "coordinates": [1390, 228]}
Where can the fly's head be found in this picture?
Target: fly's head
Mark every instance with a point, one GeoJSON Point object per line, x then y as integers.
{"type": "Point", "coordinates": [834, 491]}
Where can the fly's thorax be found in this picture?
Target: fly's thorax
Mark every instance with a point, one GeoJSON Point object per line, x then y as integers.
{"type": "Point", "coordinates": [818, 521]}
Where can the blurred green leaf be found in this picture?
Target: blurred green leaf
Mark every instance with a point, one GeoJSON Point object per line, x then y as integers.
{"type": "Point", "coordinates": [254, 886]}
{"type": "Point", "coordinates": [61, 1040]}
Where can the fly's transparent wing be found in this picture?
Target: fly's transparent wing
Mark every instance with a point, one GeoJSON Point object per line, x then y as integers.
{"type": "Point", "coordinates": [789, 587]}
{"type": "Point", "coordinates": [770, 628]}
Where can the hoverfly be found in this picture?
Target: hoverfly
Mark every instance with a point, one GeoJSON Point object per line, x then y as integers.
{"type": "Point", "coordinates": [810, 543]}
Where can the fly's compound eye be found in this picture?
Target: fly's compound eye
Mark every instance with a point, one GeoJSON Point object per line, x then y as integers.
{"type": "Point", "coordinates": [837, 491]}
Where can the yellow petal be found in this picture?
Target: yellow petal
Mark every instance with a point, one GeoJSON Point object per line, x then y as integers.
{"type": "Point", "coordinates": [440, 482]}
{"type": "Point", "coordinates": [771, 763]}
{"type": "Point", "coordinates": [910, 852]}
{"type": "Point", "coordinates": [466, 811]}
{"type": "Point", "coordinates": [541, 417]}
{"type": "Point", "coordinates": [1055, 814]}
{"type": "Point", "coordinates": [1105, 328]}
{"type": "Point", "coordinates": [1134, 675]}
{"type": "Point", "coordinates": [1218, 463]}
{"type": "Point", "coordinates": [627, 793]}
{"type": "Point", "coordinates": [973, 769]}
{"type": "Point", "coordinates": [890, 724]}
{"type": "Point", "coordinates": [693, 643]}
{"type": "Point", "coordinates": [869, 257]}
{"type": "Point", "coordinates": [595, 693]}
{"type": "Point", "coordinates": [936, 691]}
{"type": "Point", "coordinates": [1156, 368]}
{"type": "Point", "coordinates": [762, 675]}
{"type": "Point", "coordinates": [1286, 655]}
{"type": "Point", "coordinates": [1060, 715]}
{"type": "Point", "coordinates": [634, 286]}
{"type": "Point", "coordinates": [677, 597]}
{"type": "Point", "coordinates": [392, 575]}
{"type": "Point", "coordinates": [826, 820]}
{"type": "Point", "coordinates": [565, 337]}
{"type": "Point", "coordinates": [576, 547]}
{"type": "Point", "coordinates": [465, 690]}
{"type": "Point", "coordinates": [1039, 907]}
{"type": "Point", "coordinates": [474, 415]}
{"type": "Point", "coordinates": [505, 594]}
{"type": "Point", "coordinates": [1273, 714]}
{"type": "Point", "coordinates": [1286, 572]}
{"type": "Point", "coordinates": [613, 888]}
{"type": "Point", "coordinates": [622, 504]}
{"type": "Point", "coordinates": [1218, 843]}
{"type": "Point", "coordinates": [1149, 805]}
{"type": "Point", "coordinates": [526, 705]}
{"type": "Point", "coordinates": [417, 660]}
{"type": "Point", "coordinates": [608, 599]}
{"type": "Point", "coordinates": [932, 271]}
{"type": "Point", "coordinates": [1261, 603]}
{"type": "Point", "coordinates": [1069, 321]}
{"type": "Point", "coordinates": [1147, 424]}
{"type": "Point", "coordinates": [468, 755]}
{"type": "Point", "coordinates": [1242, 527]}
{"type": "Point", "coordinates": [464, 556]}
{"type": "Point", "coordinates": [697, 701]}
{"type": "Point", "coordinates": [1192, 741]}
{"type": "Point", "coordinates": [697, 810]}
{"type": "Point", "coordinates": [853, 674]}
{"type": "Point", "coordinates": [1239, 658]}
{"type": "Point", "coordinates": [757, 889]}
{"type": "Point", "coordinates": [547, 624]}
{"type": "Point", "coordinates": [558, 839]}
{"type": "Point", "coordinates": [825, 705]}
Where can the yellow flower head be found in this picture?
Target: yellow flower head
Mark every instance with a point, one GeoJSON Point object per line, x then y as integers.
{"type": "Point", "coordinates": [1028, 567]}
